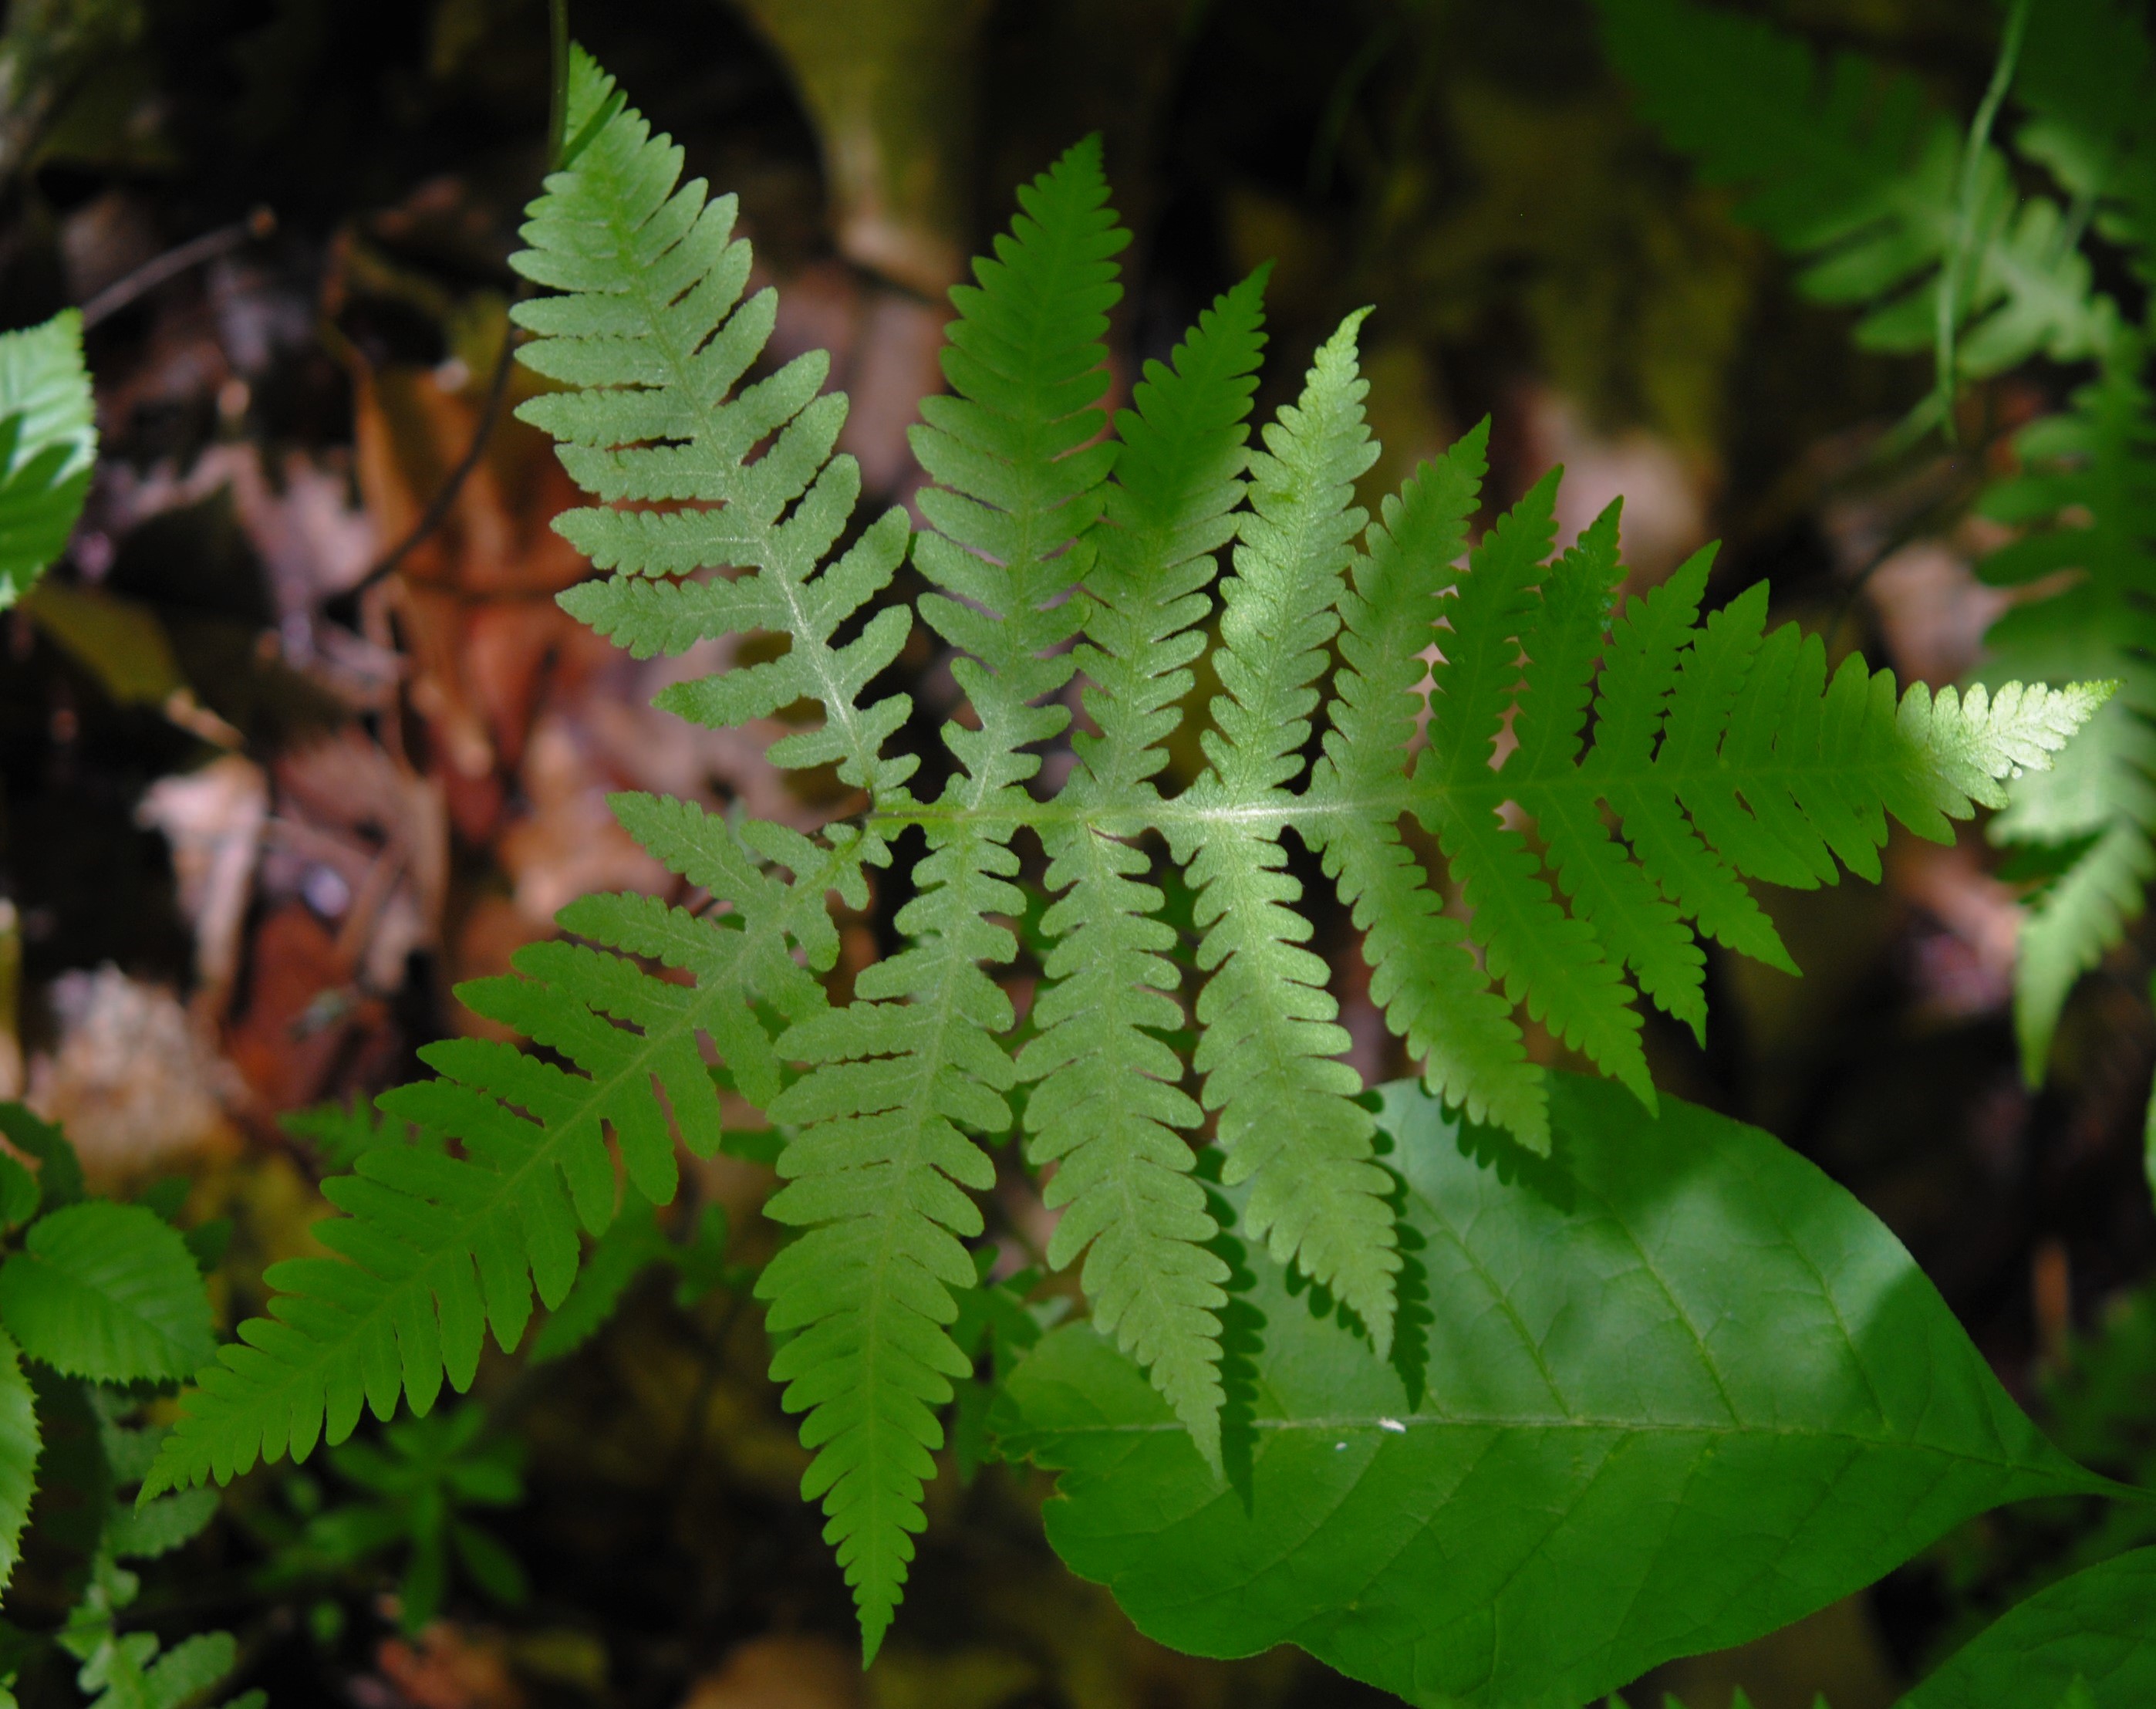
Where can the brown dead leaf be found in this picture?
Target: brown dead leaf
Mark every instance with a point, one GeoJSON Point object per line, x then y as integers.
{"type": "Point", "coordinates": [135, 1079]}
{"type": "Point", "coordinates": [450, 1667]}
{"type": "Point", "coordinates": [306, 1025]}
{"type": "Point", "coordinates": [782, 1672]}
{"type": "Point", "coordinates": [213, 818]}
{"type": "Point", "coordinates": [570, 844]}
{"type": "Point", "coordinates": [364, 843]}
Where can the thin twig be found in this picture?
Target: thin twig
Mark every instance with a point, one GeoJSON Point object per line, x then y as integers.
{"type": "Point", "coordinates": [1948, 307]}
{"type": "Point", "coordinates": [445, 497]}
{"type": "Point", "coordinates": [151, 274]}
{"type": "Point", "coordinates": [437, 513]}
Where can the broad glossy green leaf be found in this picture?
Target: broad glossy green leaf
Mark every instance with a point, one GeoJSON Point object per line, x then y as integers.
{"type": "Point", "coordinates": [48, 441]}
{"type": "Point", "coordinates": [2098, 1626]}
{"type": "Point", "coordinates": [1660, 1394]}
{"type": "Point", "coordinates": [19, 1446]}
{"type": "Point", "coordinates": [110, 1292]}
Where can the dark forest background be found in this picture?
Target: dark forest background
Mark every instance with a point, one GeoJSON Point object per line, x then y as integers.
{"type": "Point", "coordinates": [267, 793]}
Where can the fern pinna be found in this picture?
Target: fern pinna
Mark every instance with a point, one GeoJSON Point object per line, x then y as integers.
{"type": "Point", "coordinates": [1063, 546]}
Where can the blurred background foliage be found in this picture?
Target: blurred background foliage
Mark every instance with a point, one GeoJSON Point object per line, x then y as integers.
{"type": "Point", "coordinates": [291, 743]}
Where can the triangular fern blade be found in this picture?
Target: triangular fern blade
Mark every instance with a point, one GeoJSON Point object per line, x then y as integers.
{"type": "Point", "coordinates": [1269, 1047]}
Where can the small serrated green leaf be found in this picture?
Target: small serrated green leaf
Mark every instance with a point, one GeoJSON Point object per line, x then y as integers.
{"type": "Point", "coordinates": [19, 1447]}
{"type": "Point", "coordinates": [48, 441]}
{"type": "Point", "coordinates": [109, 1292]}
{"type": "Point", "coordinates": [18, 1193]}
{"type": "Point", "coordinates": [59, 1170]}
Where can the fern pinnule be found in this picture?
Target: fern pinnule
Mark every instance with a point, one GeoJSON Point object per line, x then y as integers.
{"type": "Point", "coordinates": [2087, 495]}
{"type": "Point", "coordinates": [1269, 1047]}
{"type": "Point", "coordinates": [1647, 649]}
{"type": "Point", "coordinates": [1106, 1107]}
{"type": "Point", "coordinates": [1636, 922]}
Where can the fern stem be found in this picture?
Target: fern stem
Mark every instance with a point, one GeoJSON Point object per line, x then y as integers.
{"type": "Point", "coordinates": [1948, 308]}
{"type": "Point", "coordinates": [557, 91]}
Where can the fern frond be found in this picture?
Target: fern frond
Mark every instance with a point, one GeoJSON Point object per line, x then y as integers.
{"type": "Point", "coordinates": [875, 1171]}
{"type": "Point", "coordinates": [435, 1248]}
{"type": "Point", "coordinates": [1269, 1049]}
{"type": "Point", "coordinates": [1718, 753]}
{"type": "Point", "coordinates": [1851, 168]}
{"type": "Point", "coordinates": [1107, 1107]}
{"type": "Point", "coordinates": [2088, 484]}
{"type": "Point", "coordinates": [2086, 71]}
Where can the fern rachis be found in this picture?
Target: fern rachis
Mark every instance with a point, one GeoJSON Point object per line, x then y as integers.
{"type": "Point", "coordinates": [1717, 753]}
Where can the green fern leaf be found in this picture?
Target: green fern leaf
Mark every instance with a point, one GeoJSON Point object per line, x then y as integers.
{"type": "Point", "coordinates": [649, 331]}
{"type": "Point", "coordinates": [1854, 169]}
{"type": "Point", "coordinates": [1106, 1107]}
{"type": "Point", "coordinates": [2088, 482]}
{"type": "Point", "coordinates": [875, 1171]}
{"type": "Point", "coordinates": [434, 1250]}
{"type": "Point", "coordinates": [1552, 962]}
{"type": "Point", "coordinates": [1722, 752]}
{"type": "Point", "coordinates": [1287, 1117]}
{"type": "Point", "coordinates": [1434, 993]}
{"type": "Point", "coordinates": [1718, 753]}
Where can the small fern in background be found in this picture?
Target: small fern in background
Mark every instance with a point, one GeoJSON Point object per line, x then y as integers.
{"type": "Point", "coordinates": [1665, 759]}
{"type": "Point", "coordinates": [1893, 208]}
